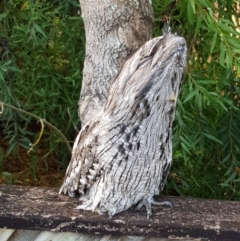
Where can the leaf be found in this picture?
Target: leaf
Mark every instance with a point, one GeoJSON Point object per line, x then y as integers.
{"type": "Point", "coordinates": [198, 25]}
{"type": "Point", "coordinates": [236, 51]}
{"type": "Point", "coordinates": [198, 101]}
{"type": "Point", "coordinates": [24, 5]}
{"type": "Point", "coordinates": [226, 21]}
{"type": "Point", "coordinates": [190, 96]}
{"type": "Point", "coordinates": [6, 174]}
{"type": "Point", "coordinates": [3, 69]}
{"type": "Point", "coordinates": [237, 180]}
{"type": "Point", "coordinates": [205, 3]}
{"type": "Point", "coordinates": [39, 30]}
{"type": "Point", "coordinates": [213, 138]}
{"type": "Point", "coordinates": [214, 39]}
{"type": "Point", "coordinates": [213, 93]}
{"type": "Point", "coordinates": [179, 119]}
{"type": "Point", "coordinates": [4, 15]}
{"type": "Point", "coordinates": [226, 28]}
{"type": "Point", "coordinates": [11, 147]}
{"type": "Point", "coordinates": [229, 60]}
{"type": "Point", "coordinates": [1, 76]}
{"type": "Point", "coordinates": [188, 144]}
{"type": "Point", "coordinates": [222, 55]}
{"type": "Point", "coordinates": [190, 12]}
{"type": "Point", "coordinates": [226, 158]}
{"type": "Point", "coordinates": [210, 24]}
{"type": "Point", "coordinates": [230, 178]}
{"type": "Point", "coordinates": [234, 42]}
{"type": "Point", "coordinates": [185, 148]}
{"type": "Point", "coordinates": [192, 5]}
{"type": "Point", "coordinates": [21, 28]}
{"type": "Point", "coordinates": [218, 101]}
{"type": "Point", "coordinates": [210, 11]}
{"type": "Point", "coordinates": [238, 68]}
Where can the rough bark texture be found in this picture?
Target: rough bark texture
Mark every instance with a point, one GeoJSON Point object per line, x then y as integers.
{"type": "Point", "coordinates": [114, 30]}
{"type": "Point", "coordinates": [35, 208]}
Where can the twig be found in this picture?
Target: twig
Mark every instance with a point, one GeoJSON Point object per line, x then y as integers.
{"type": "Point", "coordinates": [42, 125]}
{"type": "Point", "coordinates": [39, 137]}
{"type": "Point", "coordinates": [1, 105]}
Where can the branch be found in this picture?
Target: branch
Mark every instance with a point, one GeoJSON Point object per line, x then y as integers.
{"type": "Point", "coordinates": [2, 104]}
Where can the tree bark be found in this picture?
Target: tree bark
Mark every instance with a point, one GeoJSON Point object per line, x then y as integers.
{"type": "Point", "coordinates": [114, 30]}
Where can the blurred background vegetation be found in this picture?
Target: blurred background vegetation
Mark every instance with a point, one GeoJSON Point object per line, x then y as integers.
{"type": "Point", "coordinates": [41, 61]}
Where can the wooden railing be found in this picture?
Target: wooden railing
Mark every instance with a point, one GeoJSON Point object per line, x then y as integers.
{"type": "Point", "coordinates": [43, 209]}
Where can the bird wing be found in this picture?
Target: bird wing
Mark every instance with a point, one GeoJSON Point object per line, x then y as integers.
{"type": "Point", "coordinates": [83, 168]}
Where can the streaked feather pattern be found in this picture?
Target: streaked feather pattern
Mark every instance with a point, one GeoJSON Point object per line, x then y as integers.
{"type": "Point", "coordinates": [123, 155]}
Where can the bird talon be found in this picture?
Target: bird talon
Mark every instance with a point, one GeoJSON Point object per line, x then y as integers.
{"type": "Point", "coordinates": [149, 214]}
{"type": "Point", "coordinates": [139, 206]}
{"type": "Point", "coordinates": [164, 203]}
{"type": "Point", "coordinates": [71, 194]}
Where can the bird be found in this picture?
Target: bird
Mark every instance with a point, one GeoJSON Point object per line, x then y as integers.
{"type": "Point", "coordinates": [122, 156]}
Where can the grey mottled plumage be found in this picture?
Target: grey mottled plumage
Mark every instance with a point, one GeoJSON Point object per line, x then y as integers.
{"type": "Point", "coordinates": [122, 157]}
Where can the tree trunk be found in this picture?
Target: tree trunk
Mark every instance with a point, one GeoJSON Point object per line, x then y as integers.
{"type": "Point", "coordinates": [114, 30]}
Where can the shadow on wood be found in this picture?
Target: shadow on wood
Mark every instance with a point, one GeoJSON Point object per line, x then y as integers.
{"type": "Point", "coordinates": [34, 208]}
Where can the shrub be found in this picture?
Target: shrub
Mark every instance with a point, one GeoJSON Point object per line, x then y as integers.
{"type": "Point", "coordinates": [206, 132]}
{"type": "Point", "coordinates": [40, 69]}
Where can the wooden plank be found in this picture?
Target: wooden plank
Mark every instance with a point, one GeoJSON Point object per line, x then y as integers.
{"type": "Point", "coordinates": [45, 236]}
{"type": "Point", "coordinates": [22, 235]}
{"type": "Point", "coordinates": [43, 209]}
{"type": "Point", "coordinates": [29, 235]}
{"type": "Point", "coordinates": [5, 234]}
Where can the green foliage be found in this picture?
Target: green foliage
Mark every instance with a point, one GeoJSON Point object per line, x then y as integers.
{"type": "Point", "coordinates": [206, 132]}
{"type": "Point", "coordinates": [41, 56]}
